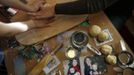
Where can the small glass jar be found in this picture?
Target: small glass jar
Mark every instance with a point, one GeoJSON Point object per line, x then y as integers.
{"type": "Point", "coordinates": [71, 53]}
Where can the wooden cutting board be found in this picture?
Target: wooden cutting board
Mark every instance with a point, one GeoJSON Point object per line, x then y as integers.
{"type": "Point", "coordinates": [61, 24]}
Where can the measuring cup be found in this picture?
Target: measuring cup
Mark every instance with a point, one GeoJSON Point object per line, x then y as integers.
{"type": "Point", "coordinates": [125, 58]}
{"type": "Point", "coordinates": [80, 39]}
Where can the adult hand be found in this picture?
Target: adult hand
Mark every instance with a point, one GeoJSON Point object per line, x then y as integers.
{"type": "Point", "coordinates": [47, 11]}
{"type": "Point", "coordinates": [35, 5]}
{"type": "Point", "coordinates": [10, 29]}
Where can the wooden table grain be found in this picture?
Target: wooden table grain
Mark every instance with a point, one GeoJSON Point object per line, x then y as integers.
{"type": "Point", "coordinates": [95, 19]}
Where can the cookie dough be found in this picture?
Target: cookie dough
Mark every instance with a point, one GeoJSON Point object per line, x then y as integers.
{"type": "Point", "coordinates": [111, 59]}
{"type": "Point", "coordinates": [106, 49]}
{"type": "Point", "coordinates": [103, 36]}
{"type": "Point", "coordinates": [94, 30]}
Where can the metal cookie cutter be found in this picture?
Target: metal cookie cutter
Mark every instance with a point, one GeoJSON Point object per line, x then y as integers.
{"type": "Point", "coordinates": [80, 39]}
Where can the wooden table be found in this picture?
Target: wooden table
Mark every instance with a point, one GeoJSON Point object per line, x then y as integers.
{"type": "Point", "coordinates": [99, 19]}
